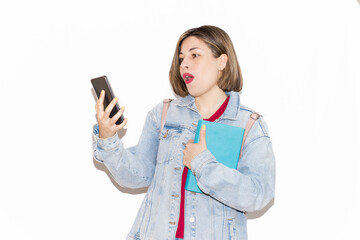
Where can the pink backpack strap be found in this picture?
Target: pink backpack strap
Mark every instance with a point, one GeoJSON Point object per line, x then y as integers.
{"type": "Point", "coordinates": [166, 104]}
{"type": "Point", "coordinates": [253, 117]}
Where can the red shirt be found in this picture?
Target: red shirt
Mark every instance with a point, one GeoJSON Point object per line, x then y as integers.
{"type": "Point", "coordinates": [180, 229]}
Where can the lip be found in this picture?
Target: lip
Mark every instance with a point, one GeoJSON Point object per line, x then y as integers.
{"type": "Point", "coordinates": [188, 78]}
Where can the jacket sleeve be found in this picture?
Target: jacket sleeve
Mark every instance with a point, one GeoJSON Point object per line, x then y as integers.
{"type": "Point", "coordinates": [251, 186]}
{"type": "Point", "coordinates": [130, 167]}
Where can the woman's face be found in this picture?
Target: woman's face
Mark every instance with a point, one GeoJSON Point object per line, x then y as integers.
{"type": "Point", "coordinates": [198, 67]}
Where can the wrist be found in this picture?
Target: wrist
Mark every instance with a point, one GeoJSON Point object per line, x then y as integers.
{"type": "Point", "coordinates": [105, 135]}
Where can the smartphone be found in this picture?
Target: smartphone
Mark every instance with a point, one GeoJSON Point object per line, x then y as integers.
{"type": "Point", "coordinates": [102, 83]}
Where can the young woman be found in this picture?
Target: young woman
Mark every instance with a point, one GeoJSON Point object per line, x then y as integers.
{"type": "Point", "coordinates": [206, 77]}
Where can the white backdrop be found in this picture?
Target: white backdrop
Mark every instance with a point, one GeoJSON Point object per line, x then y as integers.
{"type": "Point", "coordinates": [301, 68]}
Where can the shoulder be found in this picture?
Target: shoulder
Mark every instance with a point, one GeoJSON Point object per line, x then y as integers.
{"type": "Point", "coordinates": [155, 114]}
{"type": "Point", "coordinates": [259, 129]}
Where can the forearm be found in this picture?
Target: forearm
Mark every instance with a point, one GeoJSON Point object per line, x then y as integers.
{"type": "Point", "coordinates": [248, 188]}
{"type": "Point", "coordinates": [130, 167]}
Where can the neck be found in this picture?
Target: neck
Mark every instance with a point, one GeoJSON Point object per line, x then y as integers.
{"type": "Point", "coordinates": [208, 103]}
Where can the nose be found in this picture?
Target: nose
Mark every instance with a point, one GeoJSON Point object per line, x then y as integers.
{"type": "Point", "coordinates": [184, 64]}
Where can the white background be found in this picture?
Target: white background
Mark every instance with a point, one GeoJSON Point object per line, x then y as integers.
{"type": "Point", "coordinates": [301, 69]}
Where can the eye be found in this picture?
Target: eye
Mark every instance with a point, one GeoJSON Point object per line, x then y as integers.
{"type": "Point", "coordinates": [194, 55]}
{"type": "Point", "coordinates": [180, 60]}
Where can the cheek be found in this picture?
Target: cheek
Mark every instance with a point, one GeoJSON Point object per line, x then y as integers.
{"type": "Point", "coordinates": [209, 69]}
{"type": "Point", "coordinates": [213, 66]}
{"type": "Point", "coordinates": [212, 73]}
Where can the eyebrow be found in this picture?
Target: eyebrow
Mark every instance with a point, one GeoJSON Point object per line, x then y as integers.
{"type": "Point", "coordinates": [191, 49]}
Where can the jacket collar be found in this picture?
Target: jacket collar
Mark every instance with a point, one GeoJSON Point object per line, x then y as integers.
{"type": "Point", "coordinates": [231, 111]}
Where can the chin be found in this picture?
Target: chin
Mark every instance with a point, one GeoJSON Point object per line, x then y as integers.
{"type": "Point", "coordinates": [194, 93]}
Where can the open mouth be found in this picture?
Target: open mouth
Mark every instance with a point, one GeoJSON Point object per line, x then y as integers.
{"type": "Point", "coordinates": [188, 78]}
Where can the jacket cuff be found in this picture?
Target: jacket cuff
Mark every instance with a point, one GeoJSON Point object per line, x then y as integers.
{"type": "Point", "coordinates": [200, 161]}
{"type": "Point", "coordinates": [107, 144]}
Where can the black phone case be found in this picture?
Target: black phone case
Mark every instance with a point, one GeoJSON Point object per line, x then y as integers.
{"type": "Point", "coordinates": [102, 83]}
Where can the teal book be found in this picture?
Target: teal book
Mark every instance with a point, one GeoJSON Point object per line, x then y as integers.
{"type": "Point", "coordinates": [223, 141]}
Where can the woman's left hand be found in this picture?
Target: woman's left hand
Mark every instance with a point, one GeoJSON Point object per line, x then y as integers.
{"type": "Point", "coordinates": [193, 149]}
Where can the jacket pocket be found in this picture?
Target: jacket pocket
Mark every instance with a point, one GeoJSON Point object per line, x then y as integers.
{"type": "Point", "coordinates": [231, 229]}
{"type": "Point", "coordinates": [236, 226]}
{"type": "Point", "coordinates": [140, 225]}
{"type": "Point", "coordinates": [168, 138]}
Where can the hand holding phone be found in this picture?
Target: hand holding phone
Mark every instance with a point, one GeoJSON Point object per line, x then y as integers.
{"type": "Point", "coordinates": [108, 113]}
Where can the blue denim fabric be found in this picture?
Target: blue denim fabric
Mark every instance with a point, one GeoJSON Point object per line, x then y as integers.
{"type": "Point", "coordinates": [157, 162]}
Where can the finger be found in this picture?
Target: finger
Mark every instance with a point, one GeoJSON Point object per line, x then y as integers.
{"type": "Point", "coordinates": [110, 107]}
{"type": "Point", "coordinates": [203, 133]}
{"type": "Point", "coordinates": [117, 115]}
{"type": "Point", "coordinates": [122, 125]}
{"type": "Point", "coordinates": [100, 102]}
{"type": "Point", "coordinates": [96, 110]}
{"type": "Point", "coordinates": [99, 106]}
{"type": "Point", "coordinates": [191, 141]}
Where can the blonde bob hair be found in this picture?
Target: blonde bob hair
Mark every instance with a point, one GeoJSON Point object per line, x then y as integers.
{"type": "Point", "coordinates": [219, 43]}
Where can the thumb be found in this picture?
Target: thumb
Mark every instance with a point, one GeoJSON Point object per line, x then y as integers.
{"type": "Point", "coordinates": [203, 133]}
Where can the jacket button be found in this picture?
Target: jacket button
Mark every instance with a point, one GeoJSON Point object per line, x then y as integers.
{"type": "Point", "coordinates": [172, 223]}
{"type": "Point", "coordinates": [192, 219]}
{"type": "Point", "coordinates": [175, 195]}
{"type": "Point", "coordinates": [178, 168]}
{"type": "Point", "coordinates": [193, 193]}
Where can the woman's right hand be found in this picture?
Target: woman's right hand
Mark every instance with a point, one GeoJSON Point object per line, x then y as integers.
{"type": "Point", "coordinates": [107, 126]}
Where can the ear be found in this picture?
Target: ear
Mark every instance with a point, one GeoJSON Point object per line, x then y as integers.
{"type": "Point", "coordinates": [222, 61]}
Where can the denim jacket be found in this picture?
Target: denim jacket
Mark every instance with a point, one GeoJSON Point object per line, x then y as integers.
{"type": "Point", "coordinates": [157, 162]}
